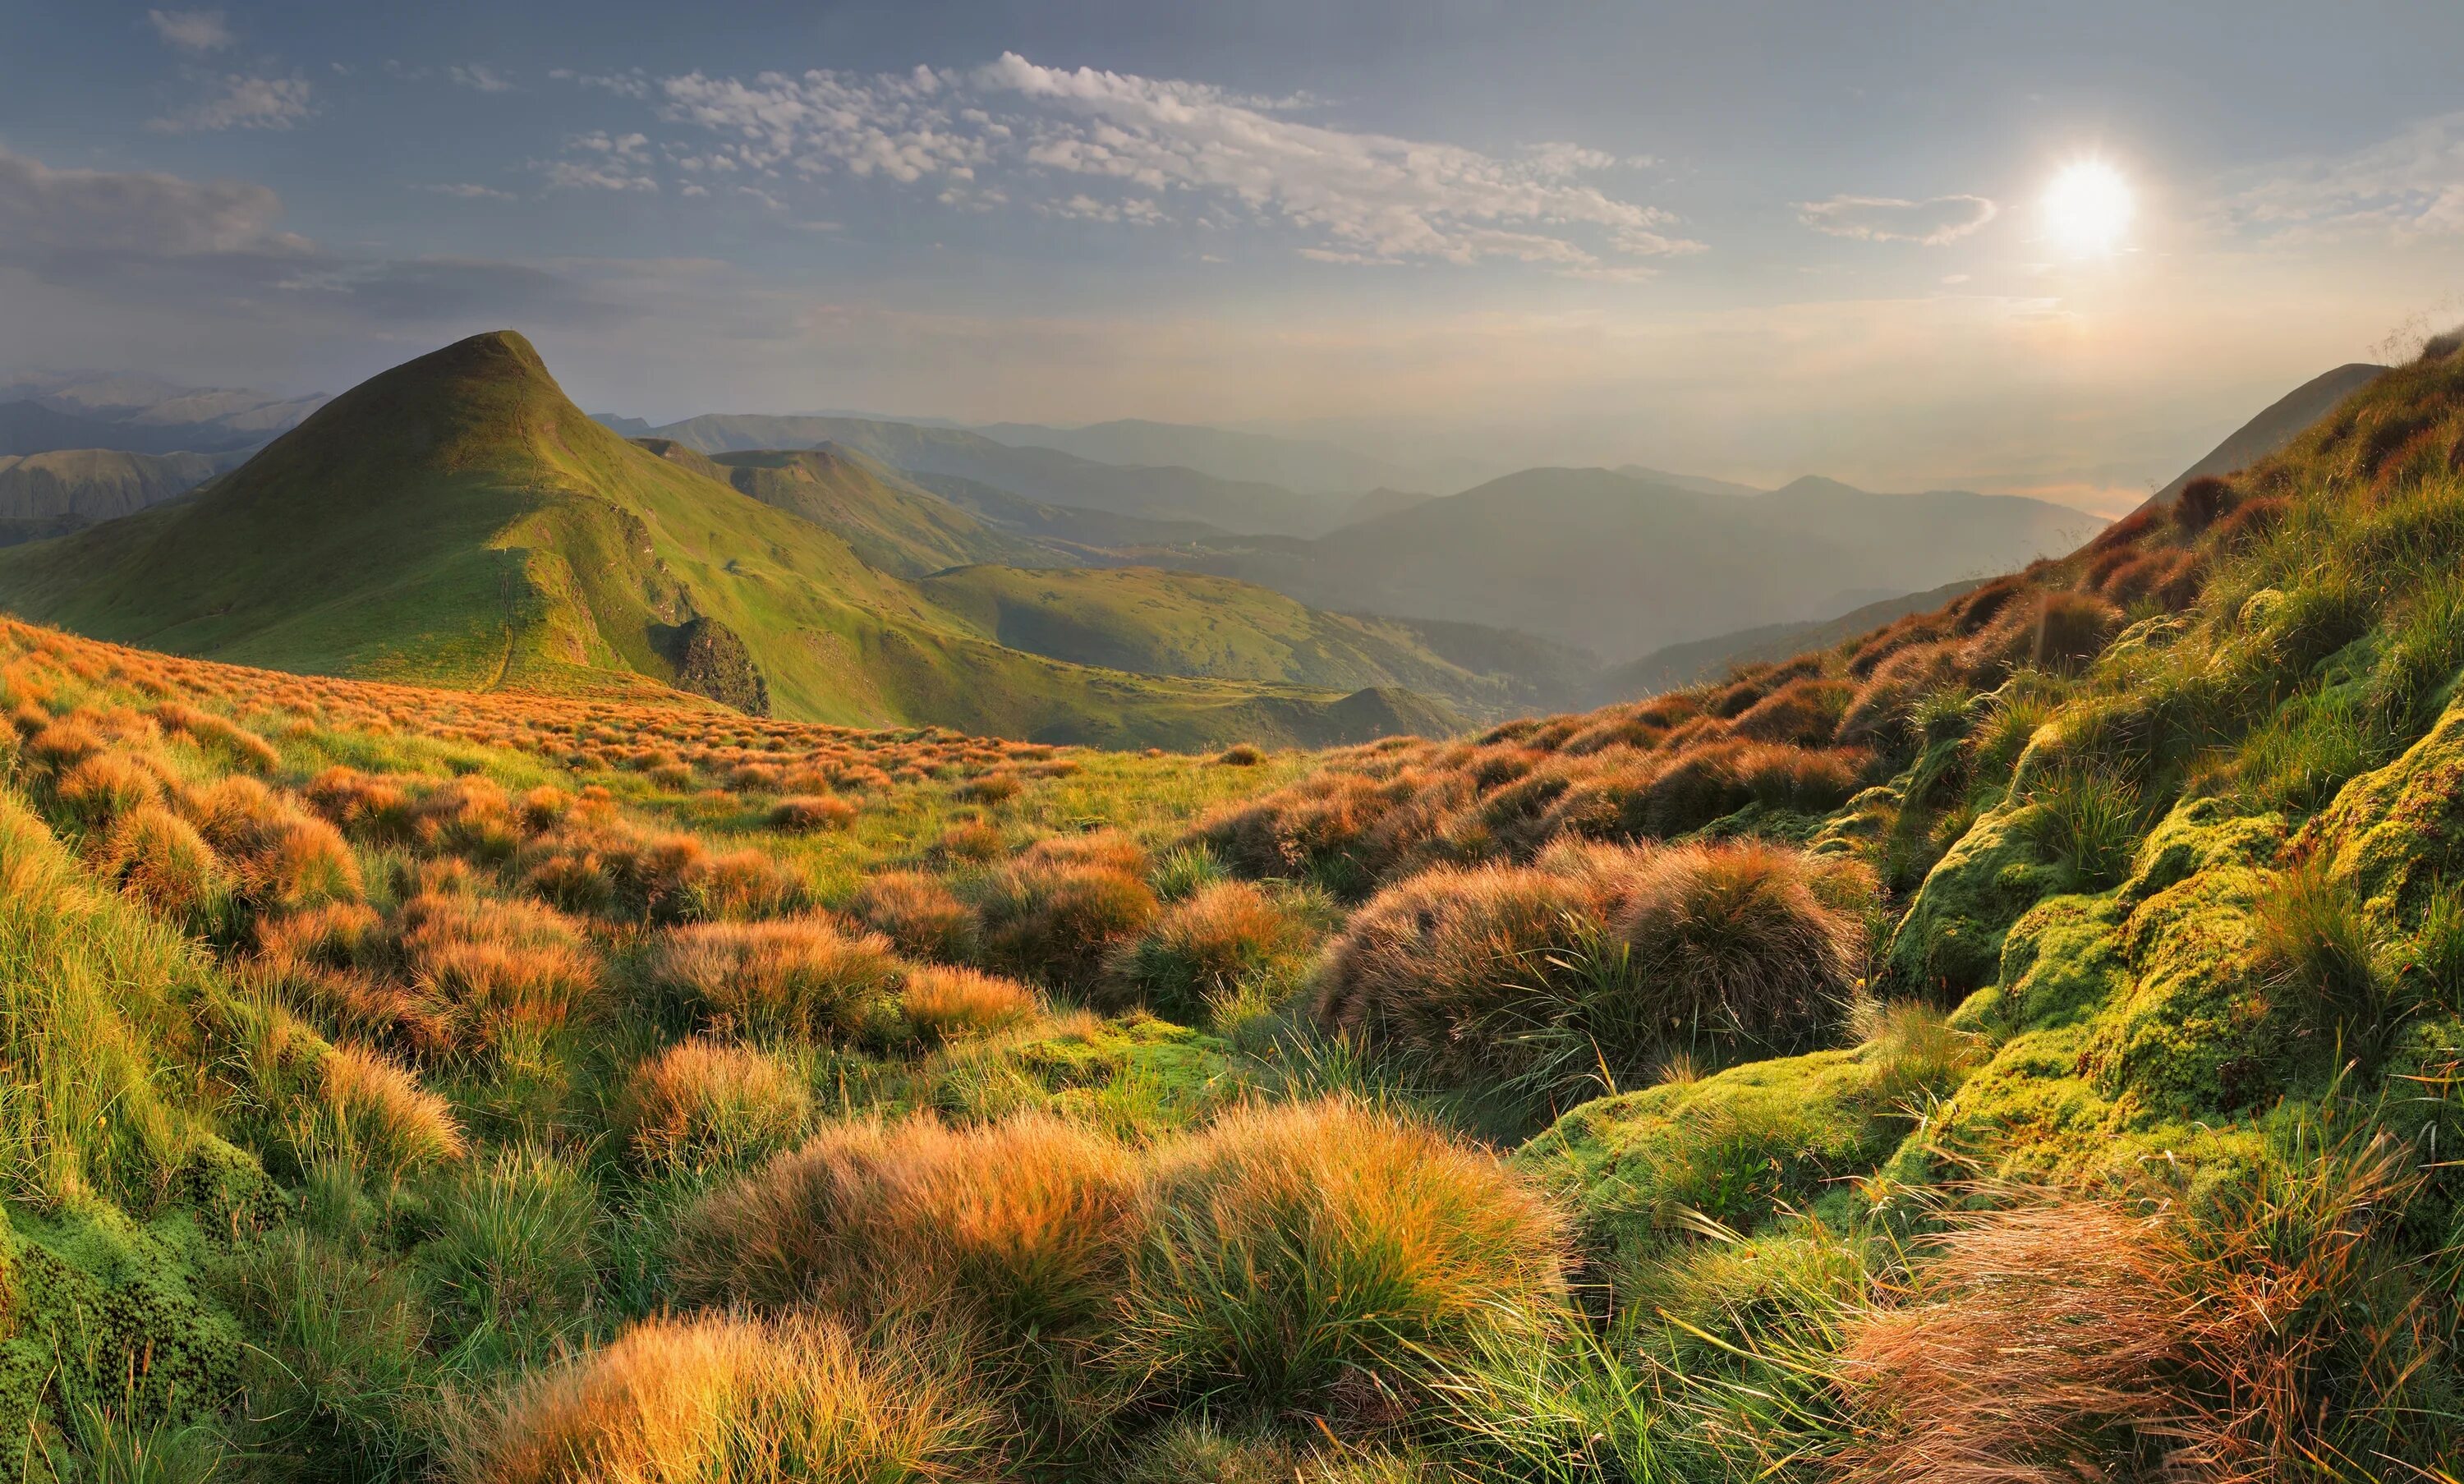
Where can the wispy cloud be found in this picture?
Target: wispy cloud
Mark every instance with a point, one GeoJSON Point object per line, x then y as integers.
{"type": "Point", "coordinates": [194, 31]}
{"type": "Point", "coordinates": [1120, 147]}
{"type": "Point", "coordinates": [467, 191]}
{"type": "Point", "coordinates": [480, 77]}
{"type": "Point", "coordinates": [2410, 186]}
{"type": "Point", "coordinates": [600, 161]}
{"type": "Point", "coordinates": [635, 83]}
{"type": "Point", "coordinates": [238, 100]}
{"type": "Point", "coordinates": [1930, 223]}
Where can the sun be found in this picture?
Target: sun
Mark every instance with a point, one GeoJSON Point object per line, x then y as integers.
{"type": "Point", "coordinates": [2089, 208]}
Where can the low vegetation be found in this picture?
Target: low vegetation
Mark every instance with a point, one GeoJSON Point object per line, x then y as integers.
{"type": "Point", "coordinates": [2022, 1043]}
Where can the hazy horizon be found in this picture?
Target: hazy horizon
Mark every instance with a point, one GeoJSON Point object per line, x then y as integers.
{"type": "Point", "coordinates": [1489, 237]}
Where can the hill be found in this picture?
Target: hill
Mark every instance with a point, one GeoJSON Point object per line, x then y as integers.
{"type": "Point", "coordinates": [46, 494]}
{"type": "Point", "coordinates": [1159, 622]}
{"type": "Point", "coordinates": [2277, 424]}
{"type": "Point", "coordinates": [1306, 465]}
{"type": "Point", "coordinates": [1701, 659]}
{"type": "Point", "coordinates": [2019, 1041]}
{"type": "Point", "coordinates": [1621, 566]}
{"type": "Point", "coordinates": [456, 520]}
{"type": "Point", "coordinates": [1041, 474]}
{"type": "Point", "coordinates": [889, 522]}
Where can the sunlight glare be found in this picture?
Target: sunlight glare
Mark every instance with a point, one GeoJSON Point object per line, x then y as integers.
{"type": "Point", "coordinates": [2089, 208]}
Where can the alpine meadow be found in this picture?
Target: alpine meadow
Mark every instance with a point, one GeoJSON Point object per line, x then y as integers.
{"type": "Point", "coordinates": [1253, 891]}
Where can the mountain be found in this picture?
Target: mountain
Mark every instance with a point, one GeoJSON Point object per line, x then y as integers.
{"type": "Point", "coordinates": [1700, 659]}
{"type": "Point", "coordinates": [1699, 484]}
{"type": "Point", "coordinates": [1041, 474]}
{"type": "Point", "coordinates": [1160, 622]}
{"type": "Point", "coordinates": [456, 520]}
{"type": "Point", "coordinates": [1620, 566]}
{"type": "Point", "coordinates": [2282, 421]}
{"type": "Point", "coordinates": [1092, 533]}
{"type": "Point", "coordinates": [894, 526]}
{"type": "Point", "coordinates": [1251, 458]}
{"type": "Point", "coordinates": [139, 414]}
{"type": "Point", "coordinates": [48, 494]}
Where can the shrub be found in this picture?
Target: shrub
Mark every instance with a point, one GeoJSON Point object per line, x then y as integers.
{"type": "Point", "coordinates": [917, 913]}
{"type": "Point", "coordinates": [1199, 951]}
{"type": "Point", "coordinates": [703, 1103]}
{"type": "Point", "coordinates": [717, 1400]}
{"type": "Point", "coordinates": [944, 1003]}
{"type": "Point", "coordinates": [797, 977]}
{"type": "Point", "coordinates": [1332, 1257]}
{"type": "Point", "coordinates": [1055, 921]}
{"type": "Point", "coordinates": [801, 813]}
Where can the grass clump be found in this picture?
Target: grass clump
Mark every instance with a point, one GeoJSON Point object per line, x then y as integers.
{"type": "Point", "coordinates": [1054, 920]}
{"type": "Point", "coordinates": [1202, 950]}
{"type": "Point", "coordinates": [802, 977]}
{"type": "Point", "coordinates": [717, 1400]}
{"type": "Point", "coordinates": [703, 1103]}
{"type": "Point", "coordinates": [1335, 1258]}
{"type": "Point", "coordinates": [919, 913]}
{"type": "Point", "coordinates": [943, 1003]}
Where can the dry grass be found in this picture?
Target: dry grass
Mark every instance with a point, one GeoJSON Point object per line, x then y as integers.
{"type": "Point", "coordinates": [379, 1114]}
{"type": "Point", "coordinates": [718, 1400]}
{"type": "Point", "coordinates": [703, 1103]}
{"type": "Point", "coordinates": [1330, 1256]}
{"type": "Point", "coordinates": [1201, 950]}
{"type": "Point", "coordinates": [919, 913]}
{"type": "Point", "coordinates": [798, 978]}
{"type": "Point", "coordinates": [1053, 920]}
{"type": "Point", "coordinates": [944, 1003]}
{"type": "Point", "coordinates": [1025, 1225]}
{"type": "Point", "coordinates": [1739, 942]}
{"type": "Point", "coordinates": [803, 812]}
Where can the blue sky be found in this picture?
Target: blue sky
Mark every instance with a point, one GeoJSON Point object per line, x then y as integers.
{"type": "Point", "coordinates": [1753, 239]}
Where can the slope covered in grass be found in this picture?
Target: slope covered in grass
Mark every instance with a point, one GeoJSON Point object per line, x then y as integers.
{"type": "Point", "coordinates": [2018, 1042]}
{"type": "Point", "coordinates": [458, 522]}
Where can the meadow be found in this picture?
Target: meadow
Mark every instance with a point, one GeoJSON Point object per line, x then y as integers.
{"type": "Point", "coordinates": [2022, 1043]}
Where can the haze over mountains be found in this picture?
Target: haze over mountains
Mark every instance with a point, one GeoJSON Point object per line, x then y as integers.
{"type": "Point", "coordinates": [937, 574]}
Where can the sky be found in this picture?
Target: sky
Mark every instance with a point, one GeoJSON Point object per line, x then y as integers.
{"type": "Point", "coordinates": [1753, 239]}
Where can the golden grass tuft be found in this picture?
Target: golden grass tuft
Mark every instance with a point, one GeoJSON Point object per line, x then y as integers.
{"type": "Point", "coordinates": [919, 913]}
{"type": "Point", "coordinates": [804, 813]}
{"type": "Point", "coordinates": [719, 1400]}
{"type": "Point", "coordinates": [703, 1103]}
{"type": "Point", "coordinates": [800, 976]}
{"type": "Point", "coordinates": [378, 1112]}
{"type": "Point", "coordinates": [1201, 950]}
{"type": "Point", "coordinates": [1053, 920]}
{"type": "Point", "coordinates": [946, 1003]}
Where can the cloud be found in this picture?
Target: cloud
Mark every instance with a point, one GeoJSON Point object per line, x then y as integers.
{"type": "Point", "coordinates": [470, 192]}
{"type": "Point", "coordinates": [480, 77]}
{"type": "Point", "coordinates": [624, 84]}
{"type": "Point", "coordinates": [1117, 147]}
{"type": "Point", "coordinates": [216, 249]}
{"type": "Point", "coordinates": [600, 161]}
{"type": "Point", "coordinates": [194, 31]}
{"type": "Point", "coordinates": [241, 101]}
{"type": "Point", "coordinates": [2409, 187]}
{"type": "Point", "coordinates": [1928, 222]}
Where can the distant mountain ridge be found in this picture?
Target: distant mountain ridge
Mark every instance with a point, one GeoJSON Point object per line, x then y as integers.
{"type": "Point", "coordinates": [1304, 464]}
{"type": "Point", "coordinates": [2276, 427]}
{"type": "Point", "coordinates": [133, 413]}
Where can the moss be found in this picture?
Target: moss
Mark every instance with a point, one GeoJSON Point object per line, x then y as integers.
{"type": "Point", "coordinates": [2395, 835]}
{"type": "Point", "coordinates": [1738, 1147]}
{"type": "Point", "coordinates": [103, 1310]}
{"type": "Point", "coordinates": [1950, 941]}
{"type": "Point", "coordinates": [2129, 1024]}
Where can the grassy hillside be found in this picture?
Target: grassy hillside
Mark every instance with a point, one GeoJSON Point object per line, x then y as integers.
{"type": "Point", "coordinates": [457, 521]}
{"type": "Point", "coordinates": [1180, 623]}
{"type": "Point", "coordinates": [1047, 475]}
{"type": "Point", "coordinates": [1679, 665]}
{"type": "Point", "coordinates": [2278, 423]}
{"type": "Point", "coordinates": [2021, 1042]}
{"type": "Point", "coordinates": [889, 523]}
{"type": "Point", "coordinates": [45, 495]}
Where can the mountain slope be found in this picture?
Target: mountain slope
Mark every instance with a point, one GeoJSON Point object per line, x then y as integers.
{"type": "Point", "coordinates": [1708, 659]}
{"type": "Point", "coordinates": [1298, 463]}
{"type": "Point", "coordinates": [2283, 420]}
{"type": "Point", "coordinates": [1044, 474]}
{"type": "Point", "coordinates": [45, 495]}
{"type": "Point", "coordinates": [1186, 623]}
{"type": "Point", "coordinates": [890, 524]}
{"type": "Point", "coordinates": [456, 520]}
{"type": "Point", "coordinates": [1623, 566]}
